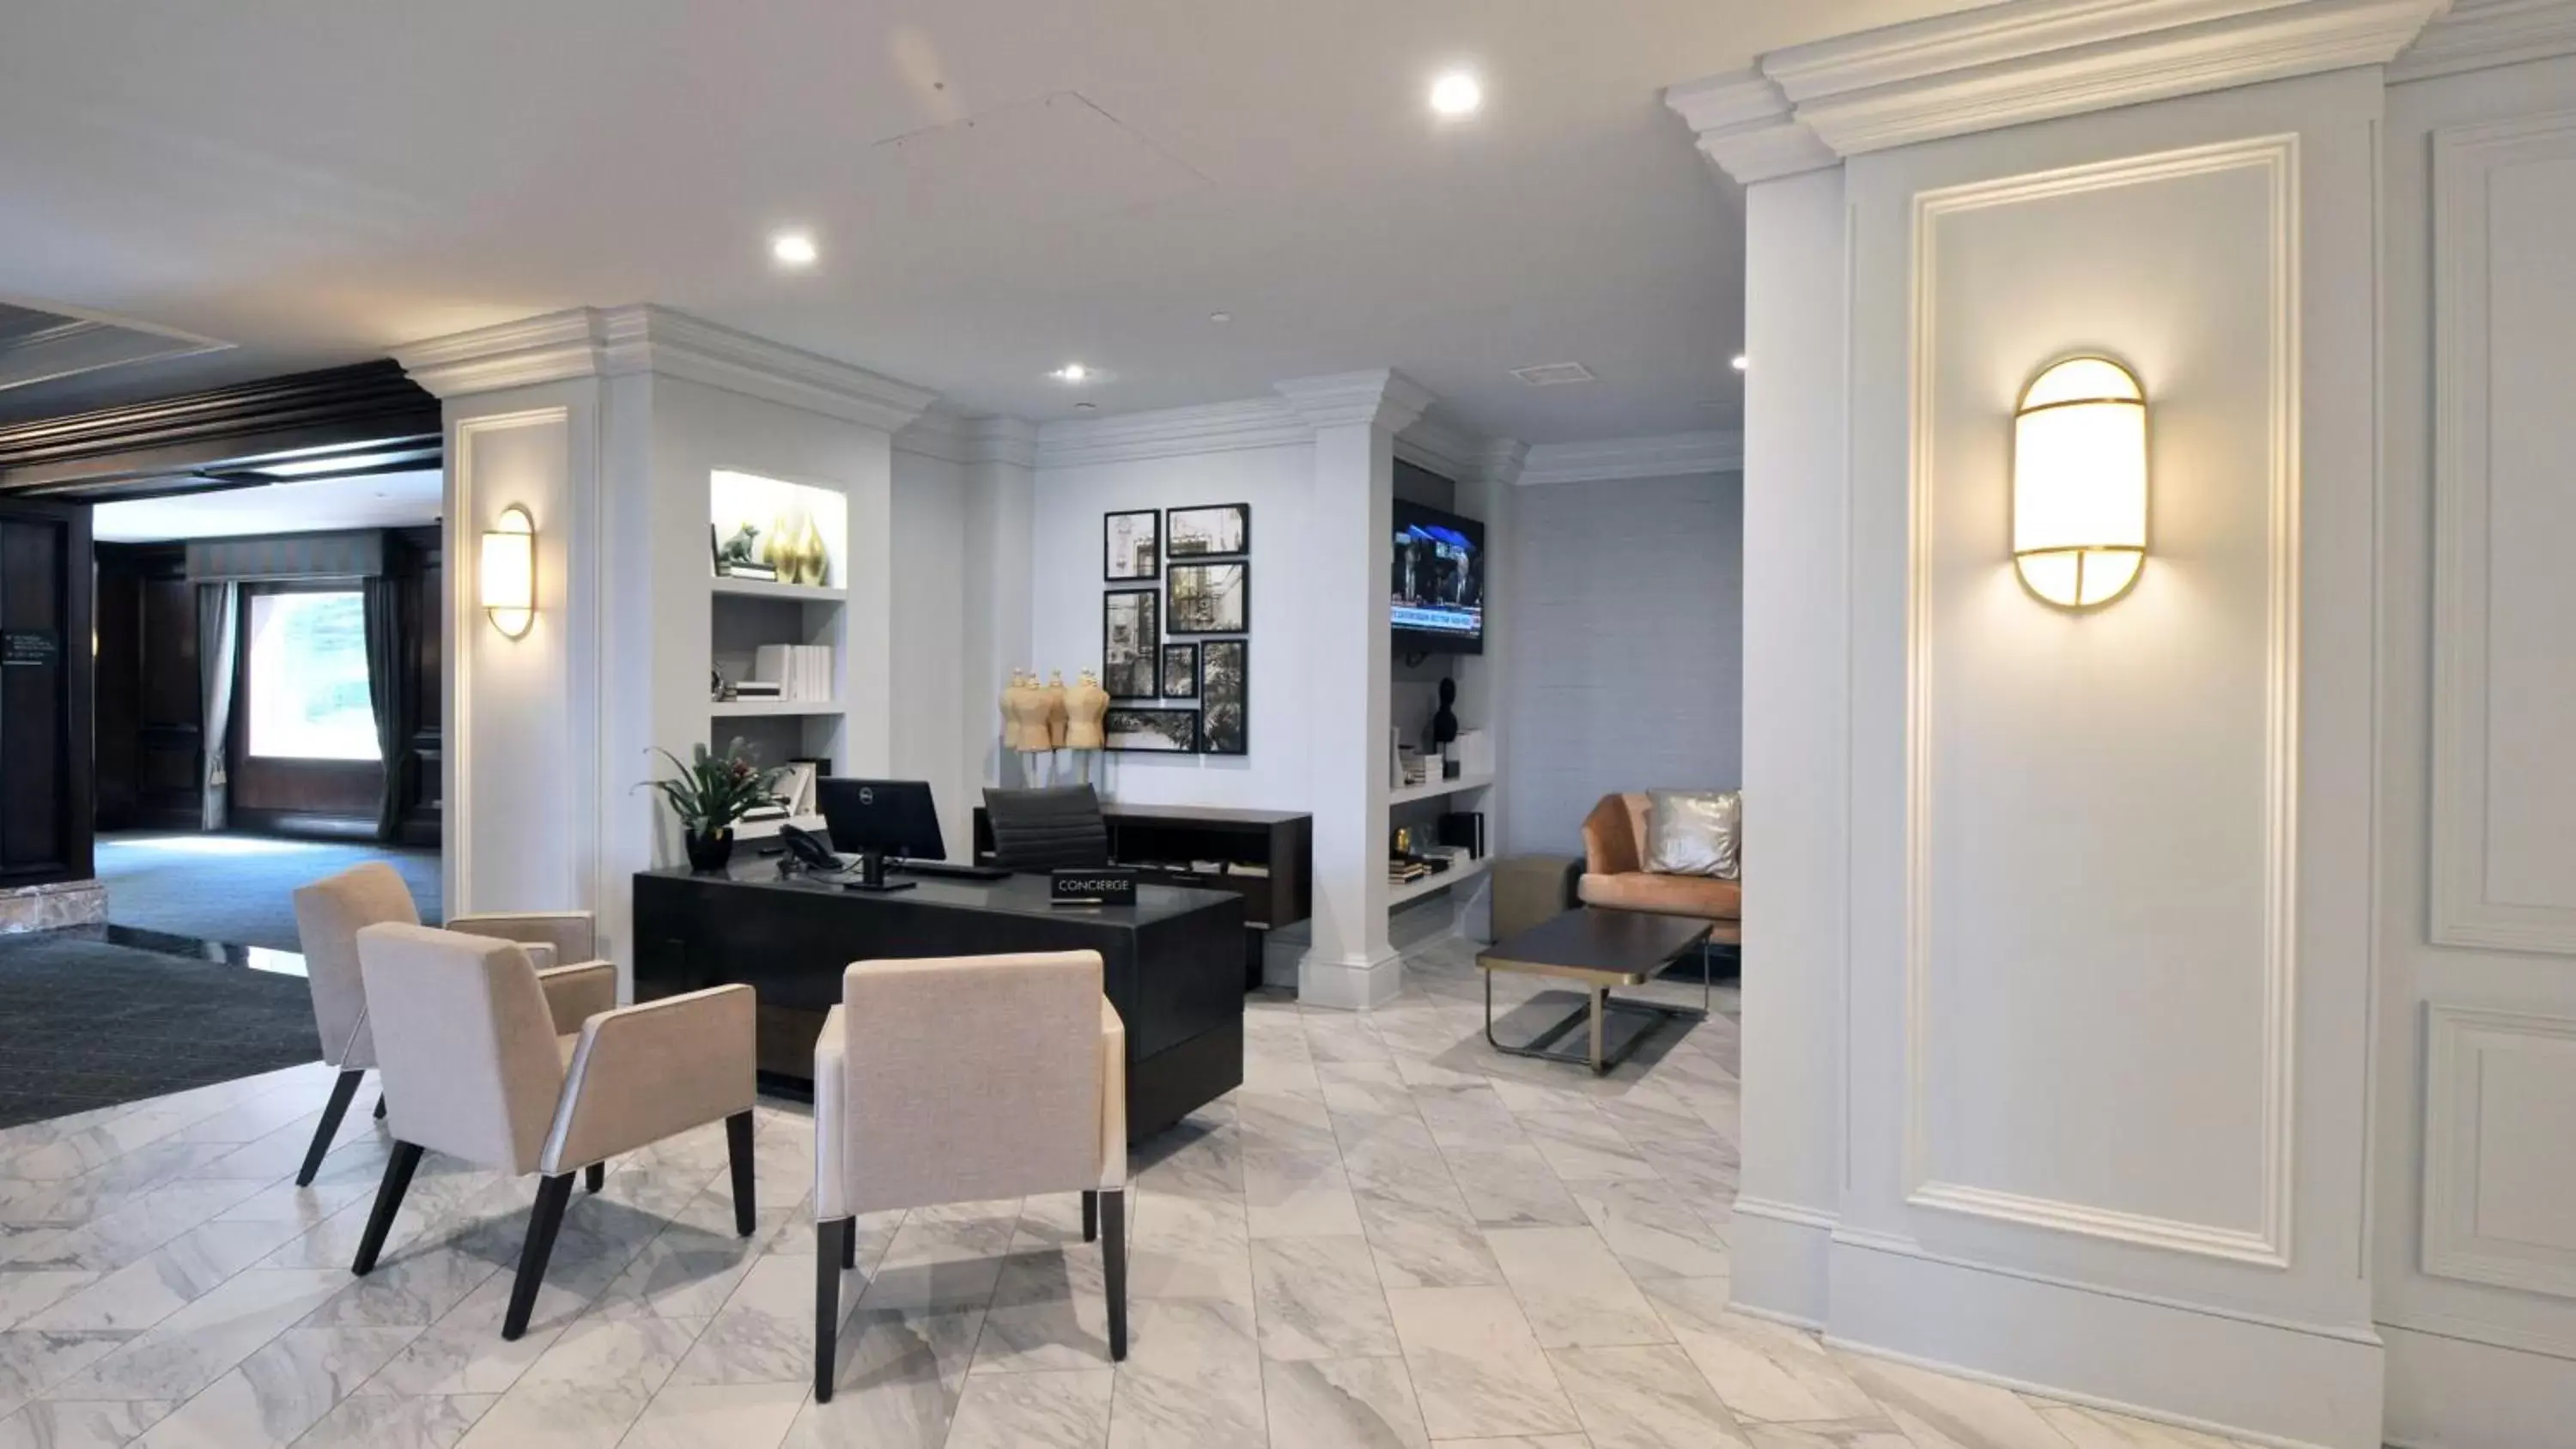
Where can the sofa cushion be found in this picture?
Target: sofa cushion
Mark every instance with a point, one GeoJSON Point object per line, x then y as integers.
{"type": "Point", "coordinates": [1707, 898]}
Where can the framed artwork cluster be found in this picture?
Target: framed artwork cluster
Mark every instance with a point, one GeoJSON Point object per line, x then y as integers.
{"type": "Point", "coordinates": [1171, 572]}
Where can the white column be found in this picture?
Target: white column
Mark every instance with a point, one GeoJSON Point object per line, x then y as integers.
{"type": "Point", "coordinates": [1348, 961]}
{"type": "Point", "coordinates": [1001, 515]}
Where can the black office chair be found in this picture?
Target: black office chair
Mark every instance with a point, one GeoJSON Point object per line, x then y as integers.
{"type": "Point", "coordinates": [1056, 828]}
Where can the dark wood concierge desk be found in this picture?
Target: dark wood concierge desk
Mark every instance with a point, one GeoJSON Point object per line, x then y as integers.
{"type": "Point", "coordinates": [1173, 962]}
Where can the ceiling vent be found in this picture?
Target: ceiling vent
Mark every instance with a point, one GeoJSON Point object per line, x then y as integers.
{"type": "Point", "coordinates": [40, 346]}
{"type": "Point", "coordinates": [1553, 374]}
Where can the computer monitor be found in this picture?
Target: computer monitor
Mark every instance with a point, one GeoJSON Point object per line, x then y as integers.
{"type": "Point", "coordinates": [891, 817]}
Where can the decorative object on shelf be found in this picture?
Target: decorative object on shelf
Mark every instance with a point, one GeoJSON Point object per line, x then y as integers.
{"type": "Point", "coordinates": [710, 794]}
{"type": "Point", "coordinates": [794, 671]}
{"type": "Point", "coordinates": [508, 576]}
{"type": "Point", "coordinates": [1475, 752]}
{"type": "Point", "coordinates": [1444, 728]}
{"type": "Point", "coordinates": [1180, 671]}
{"type": "Point", "coordinates": [1212, 531]}
{"type": "Point", "coordinates": [2079, 482]}
{"type": "Point", "coordinates": [1131, 546]}
{"type": "Point", "coordinates": [1210, 598]}
{"type": "Point", "coordinates": [739, 557]}
{"type": "Point", "coordinates": [1151, 731]}
{"type": "Point", "coordinates": [1131, 643]}
{"type": "Point", "coordinates": [797, 551]}
{"type": "Point", "coordinates": [1225, 696]}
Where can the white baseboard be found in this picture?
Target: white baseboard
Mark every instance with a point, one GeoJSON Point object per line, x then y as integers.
{"type": "Point", "coordinates": [1782, 1254]}
{"type": "Point", "coordinates": [1349, 985]}
{"type": "Point", "coordinates": [2265, 1381]}
{"type": "Point", "coordinates": [2451, 1393]}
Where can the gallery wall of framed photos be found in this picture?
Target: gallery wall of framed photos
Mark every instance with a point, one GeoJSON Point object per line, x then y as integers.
{"type": "Point", "coordinates": [1175, 626]}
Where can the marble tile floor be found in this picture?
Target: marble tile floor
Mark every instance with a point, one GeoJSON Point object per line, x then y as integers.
{"type": "Point", "coordinates": [1390, 1236]}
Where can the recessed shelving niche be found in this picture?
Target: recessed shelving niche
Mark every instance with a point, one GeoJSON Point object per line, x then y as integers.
{"type": "Point", "coordinates": [747, 615]}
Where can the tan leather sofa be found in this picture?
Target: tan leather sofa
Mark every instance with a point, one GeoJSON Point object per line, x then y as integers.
{"type": "Point", "coordinates": [1615, 877]}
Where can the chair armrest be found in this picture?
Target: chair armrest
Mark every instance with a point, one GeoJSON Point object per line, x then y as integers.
{"type": "Point", "coordinates": [1609, 844]}
{"type": "Point", "coordinates": [576, 993]}
{"type": "Point", "coordinates": [1113, 1097]}
{"type": "Point", "coordinates": [573, 934]}
{"type": "Point", "coordinates": [831, 1105]}
{"type": "Point", "coordinates": [642, 1073]}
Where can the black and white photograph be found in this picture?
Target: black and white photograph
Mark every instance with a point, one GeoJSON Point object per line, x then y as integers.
{"type": "Point", "coordinates": [1133, 544]}
{"type": "Point", "coordinates": [1225, 696]}
{"type": "Point", "coordinates": [1214, 531]}
{"type": "Point", "coordinates": [1210, 598]}
{"type": "Point", "coordinates": [1180, 671]}
{"type": "Point", "coordinates": [1131, 643]}
{"type": "Point", "coordinates": [1151, 731]}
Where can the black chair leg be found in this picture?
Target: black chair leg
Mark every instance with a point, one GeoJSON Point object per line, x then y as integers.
{"type": "Point", "coordinates": [832, 1242]}
{"type": "Point", "coordinates": [342, 1091]}
{"type": "Point", "coordinates": [1091, 1217]}
{"type": "Point", "coordinates": [1113, 1230]}
{"type": "Point", "coordinates": [389, 1196]}
{"type": "Point", "coordinates": [380, 1106]}
{"type": "Point", "coordinates": [543, 1221]}
{"type": "Point", "coordinates": [594, 1177]}
{"type": "Point", "coordinates": [746, 1208]}
{"type": "Point", "coordinates": [850, 1246]}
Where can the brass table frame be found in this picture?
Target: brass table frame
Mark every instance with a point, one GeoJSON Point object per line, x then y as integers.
{"type": "Point", "coordinates": [1597, 1007]}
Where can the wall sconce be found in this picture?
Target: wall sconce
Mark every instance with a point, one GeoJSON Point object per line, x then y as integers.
{"type": "Point", "coordinates": [2080, 482]}
{"type": "Point", "coordinates": [509, 573]}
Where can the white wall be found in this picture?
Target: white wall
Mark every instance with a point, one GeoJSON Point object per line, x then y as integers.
{"type": "Point", "coordinates": [1628, 640]}
{"type": "Point", "coordinates": [2475, 1255]}
{"type": "Point", "coordinates": [929, 584]}
{"type": "Point", "coordinates": [1066, 604]}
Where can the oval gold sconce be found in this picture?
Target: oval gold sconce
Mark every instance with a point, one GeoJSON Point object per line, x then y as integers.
{"type": "Point", "coordinates": [508, 576]}
{"type": "Point", "coordinates": [2080, 482]}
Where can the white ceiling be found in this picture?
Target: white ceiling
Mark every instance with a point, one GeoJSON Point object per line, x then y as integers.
{"type": "Point", "coordinates": [388, 500]}
{"type": "Point", "coordinates": [998, 187]}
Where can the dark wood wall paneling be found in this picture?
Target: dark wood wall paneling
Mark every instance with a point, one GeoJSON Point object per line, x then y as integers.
{"type": "Point", "coordinates": [45, 694]}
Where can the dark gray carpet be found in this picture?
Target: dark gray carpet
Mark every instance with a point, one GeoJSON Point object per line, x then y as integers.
{"type": "Point", "coordinates": [84, 1023]}
{"type": "Point", "coordinates": [236, 888]}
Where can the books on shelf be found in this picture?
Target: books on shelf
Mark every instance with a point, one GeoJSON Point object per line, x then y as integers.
{"type": "Point", "coordinates": [1475, 752]}
{"type": "Point", "coordinates": [800, 671]}
{"type": "Point", "coordinates": [762, 572]}
{"type": "Point", "coordinates": [796, 788]}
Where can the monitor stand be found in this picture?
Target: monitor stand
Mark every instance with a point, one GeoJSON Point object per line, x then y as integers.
{"type": "Point", "coordinates": [871, 875]}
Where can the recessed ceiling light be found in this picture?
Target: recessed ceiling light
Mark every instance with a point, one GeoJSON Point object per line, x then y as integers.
{"type": "Point", "coordinates": [793, 249]}
{"type": "Point", "coordinates": [1742, 362]}
{"type": "Point", "coordinates": [1073, 372]}
{"type": "Point", "coordinates": [1456, 94]}
{"type": "Point", "coordinates": [1220, 317]}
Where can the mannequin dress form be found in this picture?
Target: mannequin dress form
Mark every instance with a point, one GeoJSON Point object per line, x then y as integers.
{"type": "Point", "coordinates": [1085, 704]}
{"type": "Point", "coordinates": [1026, 703]}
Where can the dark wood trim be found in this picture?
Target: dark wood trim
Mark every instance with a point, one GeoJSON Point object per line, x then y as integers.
{"type": "Point", "coordinates": [44, 789]}
{"type": "Point", "coordinates": [206, 437]}
{"type": "Point", "coordinates": [284, 795]}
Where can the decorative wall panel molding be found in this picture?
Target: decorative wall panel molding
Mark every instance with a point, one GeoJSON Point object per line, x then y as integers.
{"type": "Point", "coordinates": [2268, 1097]}
{"type": "Point", "coordinates": [2504, 685]}
{"type": "Point", "coordinates": [2499, 1190]}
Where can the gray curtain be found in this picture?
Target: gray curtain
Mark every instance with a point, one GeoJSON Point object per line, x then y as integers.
{"type": "Point", "coordinates": [218, 635]}
{"type": "Point", "coordinates": [389, 692]}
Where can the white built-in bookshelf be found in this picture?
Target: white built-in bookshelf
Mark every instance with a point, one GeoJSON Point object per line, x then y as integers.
{"type": "Point", "coordinates": [747, 614]}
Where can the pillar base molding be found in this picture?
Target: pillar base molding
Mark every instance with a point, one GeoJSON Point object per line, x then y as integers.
{"type": "Point", "coordinates": [1349, 983]}
{"type": "Point", "coordinates": [52, 906]}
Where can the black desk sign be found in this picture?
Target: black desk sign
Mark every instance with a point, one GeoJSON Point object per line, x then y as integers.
{"type": "Point", "coordinates": [21, 649]}
{"type": "Point", "coordinates": [1105, 886]}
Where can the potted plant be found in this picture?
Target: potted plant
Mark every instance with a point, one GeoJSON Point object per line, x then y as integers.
{"type": "Point", "coordinates": [712, 792]}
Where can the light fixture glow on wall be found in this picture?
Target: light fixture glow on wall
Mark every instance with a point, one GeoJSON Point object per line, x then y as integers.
{"type": "Point", "coordinates": [508, 577]}
{"type": "Point", "coordinates": [2080, 482]}
{"type": "Point", "coordinates": [1457, 94]}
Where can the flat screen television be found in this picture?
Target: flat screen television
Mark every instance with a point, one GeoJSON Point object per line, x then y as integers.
{"type": "Point", "coordinates": [1439, 577]}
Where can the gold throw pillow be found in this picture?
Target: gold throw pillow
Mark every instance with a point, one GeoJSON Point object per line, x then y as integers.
{"type": "Point", "coordinates": [1695, 832]}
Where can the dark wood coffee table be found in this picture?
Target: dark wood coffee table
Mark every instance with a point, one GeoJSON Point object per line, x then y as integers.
{"type": "Point", "coordinates": [1597, 950]}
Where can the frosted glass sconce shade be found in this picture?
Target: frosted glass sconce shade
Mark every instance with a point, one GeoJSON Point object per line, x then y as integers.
{"type": "Point", "coordinates": [2080, 482]}
{"type": "Point", "coordinates": [508, 575]}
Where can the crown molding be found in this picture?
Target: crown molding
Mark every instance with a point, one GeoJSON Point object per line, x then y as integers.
{"type": "Point", "coordinates": [2025, 60]}
{"type": "Point", "coordinates": [1380, 397]}
{"type": "Point", "coordinates": [1460, 456]}
{"type": "Point", "coordinates": [2478, 34]}
{"type": "Point", "coordinates": [365, 407]}
{"type": "Point", "coordinates": [1172, 432]}
{"type": "Point", "coordinates": [1671, 455]}
{"type": "Point", "coordinates": [640, 338]}
{"type": "Point", "coordinates": [953, 437]}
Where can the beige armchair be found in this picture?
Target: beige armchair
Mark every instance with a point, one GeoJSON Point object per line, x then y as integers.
{"type": "Point", "coordinates": [330, 912]}
{"type": "Point", "coordinates": [962, 1079]}
{"type": "Point", "coordinates": [480, 1064]}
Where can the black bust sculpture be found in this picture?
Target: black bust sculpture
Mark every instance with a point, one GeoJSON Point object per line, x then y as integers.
{"type": "Point", "coordinates": [1444, 721]}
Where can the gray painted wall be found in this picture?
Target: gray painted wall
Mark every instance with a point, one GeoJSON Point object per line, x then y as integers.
{"type": "Point", "coordinates": [1627, 650]}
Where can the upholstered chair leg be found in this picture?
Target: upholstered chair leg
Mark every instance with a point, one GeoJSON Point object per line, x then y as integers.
{"type": "Point", "coordinates": [1113, 1232]}
{"type": "Point", "coordinates": [1091, 1217]}
{"type": "Point", "coordinates": [832, 1248]}
{"type": "Point", "coordinates": [738, 1152]}
{"type": "Point", "coordinates": [543, 1221]}
{"type": "Point", "coordinates": [594, 1177]}
{"type": "Point", "coordinates": [342, 1091]}
{"type": "Point", "coordinates": [380, 1106]}
{"type": "Point", "coordinates": [389, 1196]}
{"type": "Point", "coordinates": [850, 1246]}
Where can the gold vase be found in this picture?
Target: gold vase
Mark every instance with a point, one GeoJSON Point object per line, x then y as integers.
{"type": "Point", "coordinates": [814, 558]}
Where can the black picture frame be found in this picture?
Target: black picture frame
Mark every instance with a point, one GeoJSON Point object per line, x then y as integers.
{"type": "Point", "coordinates": [1204, 608]}
{"type": "Point", "coordinates": [1213, 529]}
{"type": "Point", "coordinates": [1225, 696]}
{"type": "Point", "coordinates": [1131, 668]}
{"type": "Point", "coordinates": [1112, 560]}
{"type": "Point", "coordinates": [1150, 730]}
{"type": "Point", "coordinates": [1180, 671]}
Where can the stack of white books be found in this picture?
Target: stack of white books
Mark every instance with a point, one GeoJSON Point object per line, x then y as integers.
{"type": "Point", "coordinates": [801, 671]}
